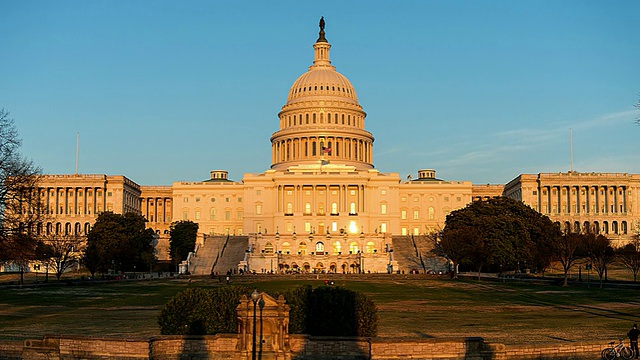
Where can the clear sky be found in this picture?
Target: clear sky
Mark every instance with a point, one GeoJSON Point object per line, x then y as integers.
{"type": "Point", "coordinates": [164, 91]}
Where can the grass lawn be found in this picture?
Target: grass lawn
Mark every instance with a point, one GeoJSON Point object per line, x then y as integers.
{"type": "Point", "coordinates": [411, 306]}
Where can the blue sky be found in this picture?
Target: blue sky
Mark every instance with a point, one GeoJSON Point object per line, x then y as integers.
{"type": "Point", "coordinates": [164, 91]}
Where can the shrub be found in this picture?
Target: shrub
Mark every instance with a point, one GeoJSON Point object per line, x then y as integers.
{"type": "Point", "coordinates": [198, 311]}
{"type": "Point", "coordinates": [331, 311]}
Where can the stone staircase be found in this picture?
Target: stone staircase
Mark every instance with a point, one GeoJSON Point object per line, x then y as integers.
{"type": "Point", "coordinates": [405, 254]}
{"type": "Point", "coordinates": [205, 257]}
{"type": "Point", "coordinates": [232, 254]}
{"type": "Point", "coordinates": [414, 253]}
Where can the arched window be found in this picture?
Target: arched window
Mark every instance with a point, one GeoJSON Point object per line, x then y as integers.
{"type": "Point", "coordinates": [353, 248]}
{"type": "Point", "coordinates": [286, 248]}
{"type": "Point", "coordinates": [268, 248]}
{"type": "Point", "coordinates": [352, 208]}
{"type": "Point", "coordinates": [302, 248]}
{"type": "Point", "coordinates": [334, 208]}
{"type": "Point", "coordinates": [337, 248]}
{"type": "Point", "coordinates": [307, 208]}
{"type": "Point", "coordinates": [370, 247]}
{"type": "Point", "coordinates": [319, 248]}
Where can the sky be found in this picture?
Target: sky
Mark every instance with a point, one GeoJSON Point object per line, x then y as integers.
{"type": "Point", "coordinates": [164, 91]}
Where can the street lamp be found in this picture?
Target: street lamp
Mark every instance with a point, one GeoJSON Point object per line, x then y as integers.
{"type": "Point", "coordinates": [255, 296]}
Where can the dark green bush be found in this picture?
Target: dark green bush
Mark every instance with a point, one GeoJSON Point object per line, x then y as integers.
{"type": "Point", "coordinates": [198, 311]}
{"type": "Point", "coordinates": [331, 311]}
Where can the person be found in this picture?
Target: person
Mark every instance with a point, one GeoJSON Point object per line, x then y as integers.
{"type": "Point", "coordinates": [633, 339]}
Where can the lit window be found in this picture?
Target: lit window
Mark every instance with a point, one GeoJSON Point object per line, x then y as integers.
{"type": "Point", "coordinates": [258, 209]}
{"type": "Point", "coordinates": [416, 214]}
{"type": "Point", "coordinates": [383, 209]}
{"type": "Point", "coordinates": [383, 227]}
{"type": "Point", "coordinates": [239, 215]}
{"type": "Point", "coordinates": [403, 214]}
{"type": "Point", "coordinates": [307, 226]}
{"type": "Point", "coordinates": [197, 215]}
{"type": "Point", "coordinates": [383, 192]}
{"type": "Point", "coordinates": [185, 199]}
{"type": "Point", "coordinates": [212, 214]}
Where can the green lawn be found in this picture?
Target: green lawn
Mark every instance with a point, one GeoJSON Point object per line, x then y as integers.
{"type": "Point", "coordinates": [411, 306]}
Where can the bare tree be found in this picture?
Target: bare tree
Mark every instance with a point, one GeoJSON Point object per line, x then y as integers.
{"type": "Point", "coordinates": [63, 251]}
{"type": "Point", "coordinates": [21, 214]}
{"type": "Point", "coordinates": [567, 251]}
{"type": "Point", "coordinates": [600, 253]}
{"type": "Point", "coordinates": [637, 105]}
{"type": "Point", "coordinates": [629, 256]}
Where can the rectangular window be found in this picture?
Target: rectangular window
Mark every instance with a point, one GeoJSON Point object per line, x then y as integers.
{"type": "Point", "coordinates": [197, 215]}
{"type": "Point", "coordinates": [383, 192]}
{"type": "Point", "coordinates": [197, 199]}
{"type": "Point", "coordinates": [383, 227]}
{"type": "Point", "coordinates": [403, 231]}
{"type": "Point", "coordinates": [334, 226]}
{"type": "Point", "coordinates": [239, 215]}
{"type": "Point", "coordinates": [258, 192]}
{"type": "Point", "coordinates": [185, 215]}
{"type": "Point", "coordinates": [109, 193]}
{"type": "Point", "coordinates": [227, 215]}
{"type": "Point", "coordinates": [258, 209]}
{"type": "Point", "coordinates": [416, 214]}
{"type": "Point", "coordinates": [383, 209]}
{"type": "Point", "coordinates": [416, 231]}
{"type": "Point", "coordinates": [307, 226]}
{"type": "Point", "coordinates": [239, 199]}
{"type": "Point", "coordinates": [403, 214]}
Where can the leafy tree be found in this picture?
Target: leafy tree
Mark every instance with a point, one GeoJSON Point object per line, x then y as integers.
{"type": "Point", "coordinates": [119, 242]}
{"type": "Point", "coordinates": [20, 206]}
{"type": "Point", "coordinates": [567, 251]}
{"type": "Point", "coordinates": [599, 251]}
{"type": "Point", "coordinates": [629, 256]}
{"type": "Point", "coordinates": [197, 311]}
{"type": "Point", "coordinates": [182, 240]}
{"type": "Point", "coordinates": [499, 232]}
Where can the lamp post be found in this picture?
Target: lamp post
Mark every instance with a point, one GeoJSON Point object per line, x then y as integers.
{"type": "Point", "coordinates": [46, 266]}
{"type": "Point", "coordinates": [261, 306]}
{"type": "Point", "coordinates": [255, 296]}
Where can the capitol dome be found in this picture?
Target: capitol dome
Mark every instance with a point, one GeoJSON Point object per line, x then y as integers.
{"type": "Point", "coordinates": [322, 121]}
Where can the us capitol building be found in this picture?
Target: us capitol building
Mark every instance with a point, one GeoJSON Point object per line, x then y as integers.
{"type": "Point", "coordinates": [322, 206]}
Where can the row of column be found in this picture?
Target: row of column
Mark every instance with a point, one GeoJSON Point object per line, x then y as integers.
{"type": "Point", "coordinates": [309, 148]}
{"type": "Point", "coordinates": [75, 200]}
{"type": "Point", "coordinates": [156, 209]}
{"type": "Point", "coordinates": [343, 198]}
{"type": "Point", "coordinates": [605, 199]}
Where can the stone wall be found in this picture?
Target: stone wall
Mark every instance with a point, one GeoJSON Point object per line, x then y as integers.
{"type": "Point", "coordinates": [10, 350]}
{"type": "Point", "coordinates": [301, 347]}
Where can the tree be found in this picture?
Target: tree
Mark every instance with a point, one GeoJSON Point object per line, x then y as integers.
{"type": "Point", "coordinates": [499, 232]}
{"type": "Point", "coordinates": [182, 240]}
{"type": "Point", "coordinates": [119, 242]}
{"type": "Point", "coordinates": [629, 256]}
{"type": "Point", "coordinates": [599, 251]}
{"type": "Point", "coordinates": [63, 251]}
{"type": "Point", "coordinates": [21, 213]}
{"type": "Point", "coordinates": [567, 251]}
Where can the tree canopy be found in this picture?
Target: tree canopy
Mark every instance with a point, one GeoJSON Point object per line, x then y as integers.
{"type": "Point", "coordinates": [499, 232]}
{"type": "Point", "coordinates": [119, 242]}
{"type": "Point", "coordinates": [182, 240]}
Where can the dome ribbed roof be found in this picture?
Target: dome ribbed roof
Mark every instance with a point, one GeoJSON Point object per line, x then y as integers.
{"type": "Point", "coordinates": [322, 82]}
